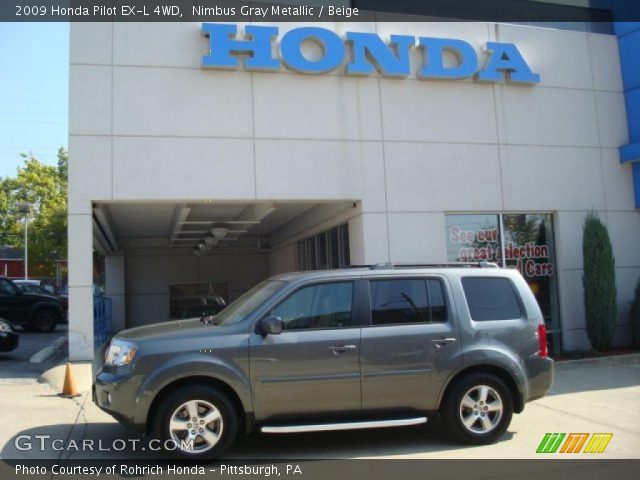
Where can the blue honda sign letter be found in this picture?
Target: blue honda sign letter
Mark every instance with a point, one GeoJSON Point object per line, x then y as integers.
{"type": "Point", "coordinates": [505, 60]}
{"type": "Point", "coordinates": [434, 49]}
{"type": "Point", "coordinates": [291, 49]}
{"type": "Point", "coordinates": [388, 62]}
{"type": "Point", "coordinates": [222, 47]}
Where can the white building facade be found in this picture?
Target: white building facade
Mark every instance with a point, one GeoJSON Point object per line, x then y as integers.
{"type": "Point", "coordinates": [195, 182]}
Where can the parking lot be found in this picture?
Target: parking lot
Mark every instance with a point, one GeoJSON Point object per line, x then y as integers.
{"type": "Point", "coordinates": [593, 396]}
{"type": "Point", "coordinates": [15, 365]}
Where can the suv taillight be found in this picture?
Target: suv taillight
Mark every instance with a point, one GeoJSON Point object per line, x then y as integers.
{"type": "Point", "coordinates": [542, 341]}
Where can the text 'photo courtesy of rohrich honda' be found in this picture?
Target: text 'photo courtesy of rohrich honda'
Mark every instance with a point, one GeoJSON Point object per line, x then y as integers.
{"type": "Point", "coordinates": [379, 346]}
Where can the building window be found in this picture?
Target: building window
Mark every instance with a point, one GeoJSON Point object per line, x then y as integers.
{"type": "Point", "coordinates": [524, 241]}
{"type": "Point", "coordinates": [325, 250]}
{"type": "Point", "coordinates": [190, 300]}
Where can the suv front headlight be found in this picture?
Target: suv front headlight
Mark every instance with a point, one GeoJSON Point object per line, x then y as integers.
{"type": "Point", "coordinates": [120, 352]}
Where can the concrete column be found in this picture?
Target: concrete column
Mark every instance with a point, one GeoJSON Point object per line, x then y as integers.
{"type": "Point", "coordinates": [80, 231]}
{"type": "Point", "coordinates": [368, 239]}
{"type": "Point", "coordinates": [114, 288]}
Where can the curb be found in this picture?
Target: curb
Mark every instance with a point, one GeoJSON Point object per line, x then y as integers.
{"type": "Point", "coordinates": [627, 358]}
{"type": "Point", "coordinates": [47, 352]}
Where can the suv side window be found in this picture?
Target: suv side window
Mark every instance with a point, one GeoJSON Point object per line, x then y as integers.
{"type": "Point", "coordinates": [6, 288]}
{"type": "Point", "coordinates": [437, 300]}
{"type": "Point", "coordinates": [407, 300]}
{"type": "Point", "coordinates": [324, 305]}
{"type": "Point", "coordinates": [491, 298]}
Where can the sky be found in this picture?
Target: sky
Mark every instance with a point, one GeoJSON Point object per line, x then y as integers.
{"type": "Point", "coordinates": [34, 88]}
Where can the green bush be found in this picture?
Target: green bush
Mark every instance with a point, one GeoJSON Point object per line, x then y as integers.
{"type": "Point", "coordinates": [599, 282]}
{"type": "Point", "coordinates": [635, 317]}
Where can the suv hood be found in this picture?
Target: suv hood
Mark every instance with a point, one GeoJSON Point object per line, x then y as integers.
{"type": "Point", "coordinates": [191, 327]}
{"type": "Point", "coordinates": [42, 297]}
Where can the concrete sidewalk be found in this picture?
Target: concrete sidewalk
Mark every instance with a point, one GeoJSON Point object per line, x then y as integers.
{"type": "Point", "coordinates": [600, 395]}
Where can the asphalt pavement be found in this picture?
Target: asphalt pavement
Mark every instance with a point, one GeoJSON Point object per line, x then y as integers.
{"type": "Point", "coordinates": [15, 365]}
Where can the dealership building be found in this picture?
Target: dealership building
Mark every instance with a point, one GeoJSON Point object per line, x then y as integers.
{"type": "Point", "coordinates": [200, 167]}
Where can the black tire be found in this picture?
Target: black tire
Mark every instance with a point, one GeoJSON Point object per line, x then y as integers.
{"type": "Point", "coordinates": [485, 423]}
{"type": "Point", "coordinates": [204, 394]}
{"type": "Point", "coordinates": [44, 321]}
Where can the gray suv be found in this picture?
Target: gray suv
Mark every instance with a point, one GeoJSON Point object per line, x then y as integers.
{"type": "Point", "coordinates": [370, 347]}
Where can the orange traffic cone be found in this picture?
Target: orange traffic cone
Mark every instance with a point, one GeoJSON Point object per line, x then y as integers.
{"type": "Point", "coordinates": [69, 389]}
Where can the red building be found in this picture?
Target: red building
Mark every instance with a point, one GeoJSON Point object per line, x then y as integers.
{"type": "Point", "coordinates": [11, 262]}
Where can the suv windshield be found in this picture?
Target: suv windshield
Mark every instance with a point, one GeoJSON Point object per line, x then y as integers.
{"type": "Point", "coordinates": [29, 288]}
{"type": "Point", "coordinates": [248, 302]}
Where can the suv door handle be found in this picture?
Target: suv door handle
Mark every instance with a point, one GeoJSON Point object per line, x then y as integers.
{"type": "Point", "coordinates": [439, 342]}
{"type": "Point", "coordinates": [338, 349]}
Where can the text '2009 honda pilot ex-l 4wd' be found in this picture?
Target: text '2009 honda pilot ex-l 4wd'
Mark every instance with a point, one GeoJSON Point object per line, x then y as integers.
{"type": "Point", "coordinates": [360, 348]}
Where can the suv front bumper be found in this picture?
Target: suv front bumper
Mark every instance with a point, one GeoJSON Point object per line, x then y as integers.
{"type": "Point", "coordinates": [116, 395]}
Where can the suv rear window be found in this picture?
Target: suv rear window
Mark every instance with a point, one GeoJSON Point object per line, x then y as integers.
{"type": "Point", "coordinates": [491, 298]}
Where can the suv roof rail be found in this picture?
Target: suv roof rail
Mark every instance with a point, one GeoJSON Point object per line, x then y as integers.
{"type": "Point", "coordinates": [481, 264]}
{"type": "Point", "coordinates": [391, 266]}
{"type": "Point", "coordinates": [375, 266]}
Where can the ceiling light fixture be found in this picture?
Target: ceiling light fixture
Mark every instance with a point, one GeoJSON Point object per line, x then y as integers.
{"type": "Point", "coordinates": [210, 241]}
{"type": "Point", "coordinates": [219, 232]}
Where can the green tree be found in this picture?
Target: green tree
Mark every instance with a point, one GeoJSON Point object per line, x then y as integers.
{"type": "Point", "coordinates": [599, 283]}
{"type": "Point", "coordinates": [44, 186]}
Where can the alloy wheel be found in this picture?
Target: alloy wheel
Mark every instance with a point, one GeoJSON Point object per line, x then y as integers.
{"type": "Point", "coordinates": [196, 426]}
{"type": "Point", "coordinates": [481, 409]}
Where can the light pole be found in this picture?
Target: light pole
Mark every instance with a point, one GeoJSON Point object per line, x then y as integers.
{"type": "Point", "coordinates": [25, 209]}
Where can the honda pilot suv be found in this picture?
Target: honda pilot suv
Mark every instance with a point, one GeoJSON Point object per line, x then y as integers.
{"type": "Point", "coordinates": [333, 350]}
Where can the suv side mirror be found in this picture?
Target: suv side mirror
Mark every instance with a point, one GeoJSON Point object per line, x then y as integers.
{"type": "Point", "coordinates": [271, 325]}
